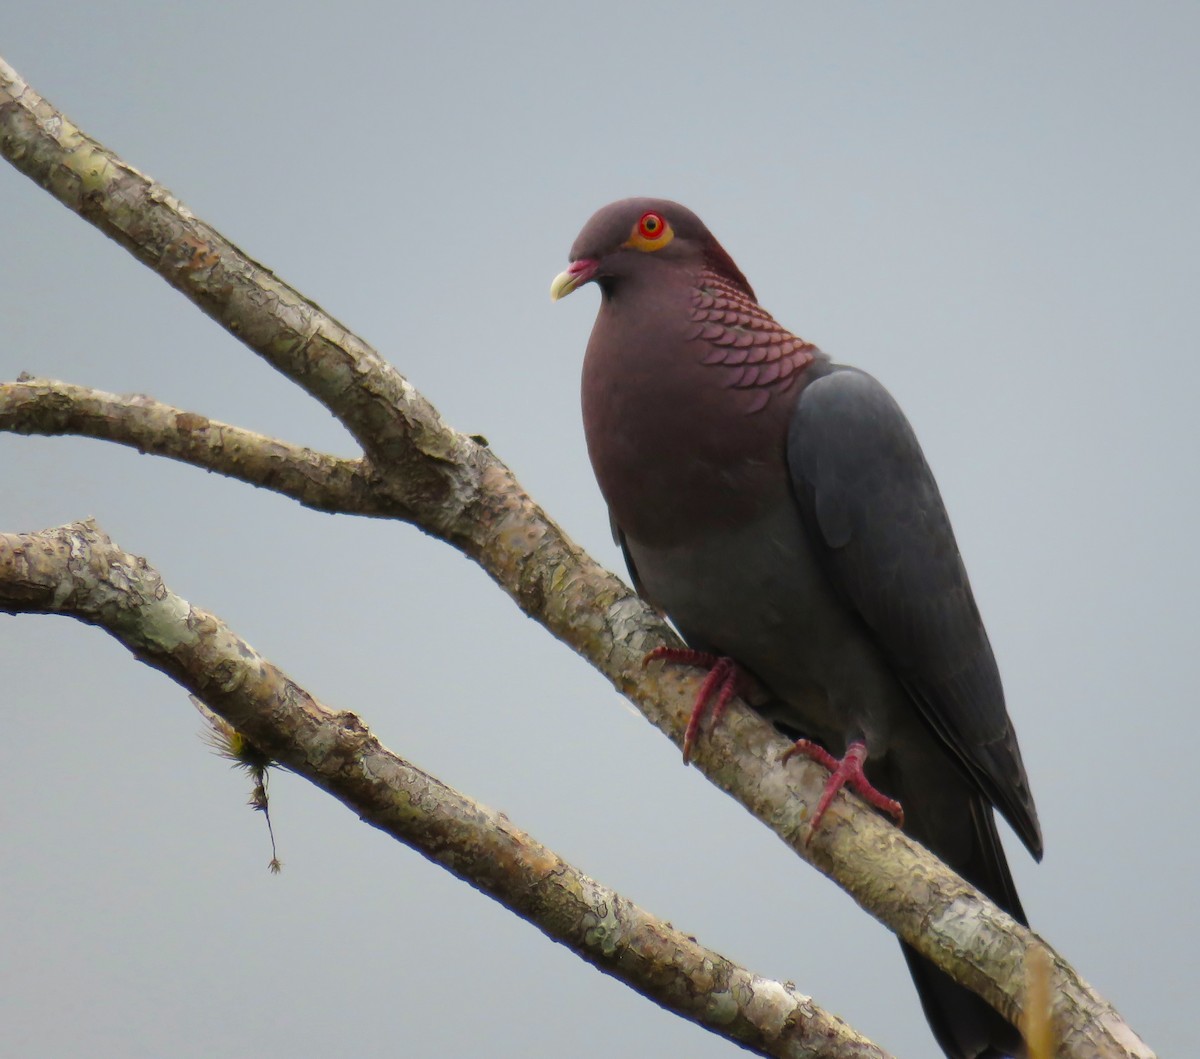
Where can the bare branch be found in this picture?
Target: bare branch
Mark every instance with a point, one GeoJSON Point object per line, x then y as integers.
{"type": "Point", "coordinates": [391, 421]}
{"type": "Point", "coordinates": [76, 570]}
{"type": "Point", "coordinates": [315, 479]}
{"type": "Point", "coordinates": [459, 491]}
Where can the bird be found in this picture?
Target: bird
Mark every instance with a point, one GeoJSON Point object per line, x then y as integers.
{"type": "Point", "coordinates": [777, 507]}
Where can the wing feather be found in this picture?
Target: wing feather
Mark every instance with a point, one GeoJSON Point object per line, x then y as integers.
{"type": "Point", "coordinates": [873, 510]}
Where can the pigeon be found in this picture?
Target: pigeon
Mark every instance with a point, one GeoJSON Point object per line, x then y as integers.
{"type": "Point", "coordinates": [777, 507]}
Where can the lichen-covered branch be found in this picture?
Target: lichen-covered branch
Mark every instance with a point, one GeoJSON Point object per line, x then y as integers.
{"type": "Point", "coordinates": [315, 479]}
{"type": "Point", "coordinates": [458, 490]}
{"type": "Point", "coordinates": [391, 421]}
{"type": "Point", "coordinates": [78, 571]}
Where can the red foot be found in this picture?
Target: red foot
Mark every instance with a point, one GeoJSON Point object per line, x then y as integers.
{"type": "Point", "coordinates": [723, 677]}
{"type": "Point", "coordinates": [848, 771]}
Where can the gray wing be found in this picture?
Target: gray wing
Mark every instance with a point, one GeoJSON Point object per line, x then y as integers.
{"type": "Point", "coordinates": [870, 504]}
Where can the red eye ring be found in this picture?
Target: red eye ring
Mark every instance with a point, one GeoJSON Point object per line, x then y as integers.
{"type": "Point", "coordinates": [651, 226]}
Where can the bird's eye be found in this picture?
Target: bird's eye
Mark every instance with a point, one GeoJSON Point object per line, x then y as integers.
{"type": "Point", "coordinates": [651, 226]}
{"type": "Point", "coordinates": [652, 232]}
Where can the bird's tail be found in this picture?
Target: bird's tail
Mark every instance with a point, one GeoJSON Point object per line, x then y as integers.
{"type": "Point", "coordinates": [966, 1026]}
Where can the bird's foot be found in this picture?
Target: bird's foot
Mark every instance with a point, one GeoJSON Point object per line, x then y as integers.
{"type": "Point", "coordinates": [720, 685]}
{"type": "Point", "coordinates": [847, 772]}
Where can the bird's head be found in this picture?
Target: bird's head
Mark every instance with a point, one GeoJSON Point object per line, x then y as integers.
{"type": "Point", "coordinates": [633, 237]}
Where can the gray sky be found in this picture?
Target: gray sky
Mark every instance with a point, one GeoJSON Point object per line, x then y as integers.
{"type": "Point", "coordinates": [993, 208]}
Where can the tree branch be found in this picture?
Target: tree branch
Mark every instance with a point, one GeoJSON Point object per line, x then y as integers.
{"type": "Point", "coordinates": [78, 571]}
{"type": "Point", "coordinates": [459, 491]}
{"type": "Point", "coordinates": [315, 479]}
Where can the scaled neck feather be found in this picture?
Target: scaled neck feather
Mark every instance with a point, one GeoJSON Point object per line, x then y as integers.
{"type": "Point", "coordinates": [718, 261]}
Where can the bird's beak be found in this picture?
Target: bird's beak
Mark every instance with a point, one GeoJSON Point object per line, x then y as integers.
{"type": "Point", "coordinates": [577, 274]}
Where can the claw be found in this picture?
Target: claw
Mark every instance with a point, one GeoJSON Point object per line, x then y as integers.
{"type": "Point", "coordinates": [847, 771]}
{"type": "Point", "coordinates": [722, 679]}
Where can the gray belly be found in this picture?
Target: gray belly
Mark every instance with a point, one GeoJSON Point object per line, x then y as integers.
{"type": "Point", "coordinates": [757, 594]}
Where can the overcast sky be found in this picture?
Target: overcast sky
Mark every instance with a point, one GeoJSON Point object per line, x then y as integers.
{"type": "Point", "coordinates": [992, 208]}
